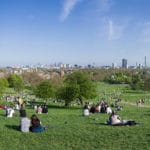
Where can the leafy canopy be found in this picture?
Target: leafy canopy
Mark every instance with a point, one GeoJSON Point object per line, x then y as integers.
{"type": "Point", "coordinates": [3, 85]}
{"type": "Point", "coordinates": [44, 90]}
{"type": "Point", "coordinates": [16, 82]}
{"type": "Point", "coordinates": [77, 86]}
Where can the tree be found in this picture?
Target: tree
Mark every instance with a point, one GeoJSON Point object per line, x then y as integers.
{"type": "Point", "coordinates": [77, 86]}
{"type": "Point", "coordinates": [137, 82]}
{"type": "Point", "coordinates": [44, 90]}
{"type": "Point", "coordinates": [68, 93]}
{"type": "Point", "coordinates": [119, 78]}
{"type": "Point", "coordinates": [31, 79]}
{"type": "Point", "coordinates": [16, 82]}
{"type": "Point", "coordinates": [3, 85]}
{"type": "Point", "coordinates": [147, 83]}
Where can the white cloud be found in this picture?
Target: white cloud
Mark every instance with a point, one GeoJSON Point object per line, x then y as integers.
{"type": "Point", "coordinates": [67, 8]}
{"type": "Point", "coordinates": [115, 31]}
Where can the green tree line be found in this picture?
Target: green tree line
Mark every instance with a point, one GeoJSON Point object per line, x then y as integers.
{"type": "Point", "coordinates": [76, 86]}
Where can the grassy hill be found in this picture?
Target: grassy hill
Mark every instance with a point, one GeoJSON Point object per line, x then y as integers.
{"type": "Point", "coordinates": [69, 130]}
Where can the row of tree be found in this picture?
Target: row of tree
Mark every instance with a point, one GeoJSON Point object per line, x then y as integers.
{"type": "Point", "coordinates": [76, 86]}
{"type": "Point", "coordinates": [137, 79]}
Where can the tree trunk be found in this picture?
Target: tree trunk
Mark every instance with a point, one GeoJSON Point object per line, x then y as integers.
{"type": "Point", "coordinates": [81, 101]}
{"type": "Point", "coordinates": [67, 103]}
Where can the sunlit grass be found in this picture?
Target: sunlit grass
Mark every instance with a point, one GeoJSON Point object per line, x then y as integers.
{"type": "Point", "coordinates": [69, 130]}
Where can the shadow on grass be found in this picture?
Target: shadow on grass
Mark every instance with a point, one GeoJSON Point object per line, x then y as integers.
{"type": "Point", "coordinates": [146, 114]}
{"type": "Point", "coordinates": [148, 134]}
{"type": "Point", "coordinates": [57, 105]}
{"type": "Point", "coordinates": [62, 107]}
{"type": "Point", "coordinates": [14, 127]}
{"type": "Point", "coordinates": [117, 125]}
{"type": "Point", "coordinates": [4, 115]}
{"type": "Point", "coordinates": [104, 124]}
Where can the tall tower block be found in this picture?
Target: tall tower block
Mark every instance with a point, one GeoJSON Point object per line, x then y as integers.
{"type": "Point", "coordinates": [145, 61]}
{"type": "Point", "coordinates": [124, 63]}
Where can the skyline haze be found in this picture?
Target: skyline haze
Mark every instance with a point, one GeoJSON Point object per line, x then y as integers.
{"type": "Point", "coordinates": [74, 31]}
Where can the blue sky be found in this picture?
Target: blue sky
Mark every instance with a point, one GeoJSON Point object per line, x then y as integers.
{"type": "Point", "coordinates": [74, 31]}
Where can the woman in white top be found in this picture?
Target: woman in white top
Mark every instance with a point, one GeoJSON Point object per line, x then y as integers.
{"type": "Point", "coordinates": [108, 110]}
{"type": "Point", "coordinates": [39, 110]}
{"type": "Point", "coordinates": [86, 111]}
{"type": "Point", "coordinates": [24, 123]}
{"type": "Point", "coordinates": [114, 119]}
{"type": "Point", "coordinates": [10, 112]}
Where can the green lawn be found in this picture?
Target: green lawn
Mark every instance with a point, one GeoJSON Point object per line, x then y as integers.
{"type": "Point", "coordinates": [69, 130]}
{"type": "Point", "coordinates": [121, 91]}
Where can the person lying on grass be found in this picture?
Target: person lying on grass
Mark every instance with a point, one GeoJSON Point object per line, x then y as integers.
{"type": "Point", "coordinates": [115, 120]}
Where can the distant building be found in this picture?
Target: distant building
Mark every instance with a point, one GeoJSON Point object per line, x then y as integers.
{"type": "Point", "coordinates": [145, 62]}
{"type": "Point", "coordinates": [114, 65]}
{"type": "Point", "coordinates": [140, 66]}
{"type": "Point", "coordinates": [124, 63]}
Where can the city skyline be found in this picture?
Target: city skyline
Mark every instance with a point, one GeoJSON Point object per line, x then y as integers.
{"type": "Point", "coordinates": [74, 31]}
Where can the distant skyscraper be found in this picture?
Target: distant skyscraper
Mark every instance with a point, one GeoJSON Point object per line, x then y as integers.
{"type": "Point", "coordinates": [124, 63]}
{"type": "Point", "coordinates": [145, 62]}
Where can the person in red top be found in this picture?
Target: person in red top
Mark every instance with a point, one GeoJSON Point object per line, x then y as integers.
{"type": "Point", "coordinates": [2, 106]}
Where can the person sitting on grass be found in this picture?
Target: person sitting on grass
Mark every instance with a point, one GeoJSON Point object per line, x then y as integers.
{"type": "Point", "coordinates": [36, 124]}
{"type": "Point", "coordinates": [22, 110]}
{"type": "Point", "coordinates": [92, 109]}
{"type": "Point", "coordinates": [39, 109]}
{"type": "Point", "coordinates": [98, 108]}
{"type": "Point", "coordinates": [17, 106]}
{"type": "Point", "coordinates": [44, 109]}
{"type": "Point", "coordinates": [25, 122]}
{"type": "Point", "coordinates": [86, 110]}
{"type": "Point", "coordinates": [108, 109]}
{"type": "Point", "coordinates": [10, 112]}
{"type": "Point", "coordinates": [103, 108]}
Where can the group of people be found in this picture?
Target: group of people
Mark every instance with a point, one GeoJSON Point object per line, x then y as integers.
{"type": "Point", "coordinates": [140, 102]}
{"type": "Point", "coordinates": [41, 109]}
{"type": "Point", "coordinates": [101, 107]}
{"type": "Point", "coordinates": [33, 125]}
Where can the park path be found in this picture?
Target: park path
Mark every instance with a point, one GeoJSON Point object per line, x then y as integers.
{"type": "Point", "coordinates": [133, 104]}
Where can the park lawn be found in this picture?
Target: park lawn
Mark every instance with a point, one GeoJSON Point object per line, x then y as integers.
{"type": "Point", "coordinates": [69, 130]}
{"type": "Point", "coordinates": [113, 91]}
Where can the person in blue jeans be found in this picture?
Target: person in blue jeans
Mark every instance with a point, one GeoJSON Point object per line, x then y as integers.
{"type": "Point", "coordinates": [36, 124]}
